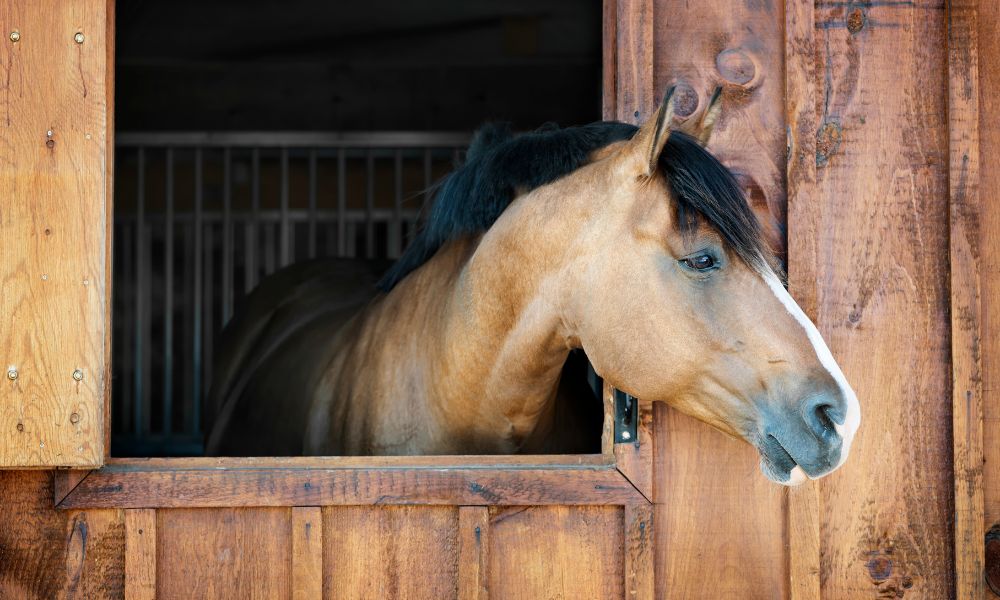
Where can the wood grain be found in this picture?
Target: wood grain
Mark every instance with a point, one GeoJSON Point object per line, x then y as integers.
{"type": "Point", "coordinates": [635, 99]}
{"type": "Point", "coordinates": [119, 486]}
{"type": "Point", "coordinates": [639, 572]}
{"type": "Point", "coordinates": [966, 315]}
{"type": "Point", "coordinates": [223, 553]}
{"type": "Point", "coordinates": [989, 224]}
{"type": "Point", "coordinates": [48, 553]}
{"type": "Point", "coordinates": [635, 460]}
{"type": "Point", "coordinates": [473, 545]}
{"type": "Point", "coordinates": [556, 552]}
{"type": "Point", "coordinates": [803, 523]}
{"type": "Point", "coordinates": [390, 552]}
{"type": "Point", "coordinates": [140, 554]}
{"type": "Point", "coordinates": [307, 553]}
{"type": "Point", "coordinates": [53, 242]}
{"type": "Point", "coordinates": [882, 306]}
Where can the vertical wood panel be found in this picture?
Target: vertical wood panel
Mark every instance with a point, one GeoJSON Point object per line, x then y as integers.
{"type": "Point", "coordinates": [988, 17]}
{"type": "Point", "coordinates": [390, 552]}
{"type": "Point", "coordinates": [556, 552]}
{"type": "Point", "coordinates": [966, 334]}
{"type": "Point", "coordinates": [307, 553]}
{"type": "Point", "coordinates": [719, 523]}
{"type": "Point", "coordinates": [635, 98]}
{"type": "Point", "coordinates": [803, 529]}
{"type": "Point", "coordinates": [140, 554]}
{"type": "Point", "coordinates": [882, 305]}
{"type": "Point", "coordinates": [639, 570]}
{"type": "Point", "coordinates": [223, 553]}
{"type": "Point", "coordinates": [53, 233]}
{"type": "Point", "coordinates": [473, 544]}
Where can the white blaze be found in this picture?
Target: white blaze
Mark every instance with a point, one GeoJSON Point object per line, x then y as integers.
{"type": "Point", "coordinates": [852, 420]}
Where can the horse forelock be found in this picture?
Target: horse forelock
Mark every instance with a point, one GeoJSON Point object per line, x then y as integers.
{"type": "Point", "coordinates": [500, 166]}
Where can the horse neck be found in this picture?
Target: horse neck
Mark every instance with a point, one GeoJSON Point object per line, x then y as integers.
{"type": "Point", "coordinates": [505, 339]}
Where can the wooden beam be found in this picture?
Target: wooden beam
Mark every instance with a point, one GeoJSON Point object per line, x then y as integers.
{"type": "Point", "coordinates": [802, 527]}
{"type": "Point", "coordinates": [639, 552]}
{"type": "Point", "coordinates": [115, 486]}
{"type": "Point", "coordinates": [65, 480]}
{"type": "Point", "coordinates": [307, 552]}
{"type": "Point", "coordinates": [473, 548]}
{"type": "Point", "coordinates": [966, 318]}
{"type": "Point", "coordinates": [140, 554]}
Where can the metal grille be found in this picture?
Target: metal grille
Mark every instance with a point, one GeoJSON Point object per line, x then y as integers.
{"type": "Point", "coordinates": [201, 218]}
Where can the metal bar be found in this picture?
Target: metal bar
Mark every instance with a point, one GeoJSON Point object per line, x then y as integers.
{"type": "Point", "coordinates": [194, 414]}
{"type": "Point", "coordinates": [251, 227]}
{"type": "Point", "coordinates": [396, 230]}
{"type": "Point", "coordinates": [379, 215]}
{"type": "Point", "coordinates": [168, 301]}
{"type": "Point", "coordinates": [428, 176]}
{"type": "Point", "coordinates": [312, 204]}
{"type": "Point", "coordinates": [369, 205]}
{"type": "Point", "coordinates": [227, 235]}
{"type": "Point", "coordinates": [122, 410]}
{"type": "Point", "coordinates": [208, 330]}
{"type": "Point", "coordinates": [270, 250]}
{"type": "Point", "coordinates": [341, 203]}
{"type": "Point", "coordinates": [295, 139]}
{"type": "Point", "coordinates": [284, 256]}
{"type": "Point", "coordinates": [138, 410]}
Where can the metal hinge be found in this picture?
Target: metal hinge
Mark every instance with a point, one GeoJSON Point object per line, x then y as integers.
{"type": "Point", "coordinates": [626, 418]}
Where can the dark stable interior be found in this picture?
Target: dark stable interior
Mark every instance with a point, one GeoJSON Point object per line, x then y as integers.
{"type": "Point", "coordinates": [264, 72]}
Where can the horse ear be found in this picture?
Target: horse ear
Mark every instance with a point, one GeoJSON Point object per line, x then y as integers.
{"type": "Point", "coordinates": [649, 141]}
{"type": "Point", "coordinates": [702, 128]}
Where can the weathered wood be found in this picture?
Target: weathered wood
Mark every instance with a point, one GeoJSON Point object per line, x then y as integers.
{"type": "Point", "coordinates": [307, 553]}
{"type": "Point", "coordinates": [492, 461]}
{"type": "Point", "coordinates": [65, 481]}
{"type": "Point", "coordinates": [45, 553]}
{"type": "Point", "coordinates": [966, 315]}
{"type": "Point", "coordinates": [988, 16]}
{"type": "Point", "coordinates": [390, 552]}
{"type": "Point", "coordinates": [802, 528]}
{"type": "Point", "coordinates": [882, 214]}
{"type": "Point", "coordinates": [140, 554]}
{"type": "Point", "coordinates": [635, 99]}
{"type": "Point", "coordinates": [124, 486]}
{"type": "Point", "coordinates": [53, 233]}
{"type": "Point", "coordinates": [473, 547]}
{"type": "Point", "coordinates": [223, 553]}
{"type": "Point", "coordinates": [639, 571]}
{"type": "Point", "coordinates": [609, 44]}
{"type": "Point", "coordinates": [556, 552]}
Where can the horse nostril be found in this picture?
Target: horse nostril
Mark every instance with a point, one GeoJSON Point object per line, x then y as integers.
{"type": "Point", "coordinates": [820, 417]}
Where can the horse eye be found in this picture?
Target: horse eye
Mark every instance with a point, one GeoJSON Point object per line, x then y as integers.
{"type": "Point", "coordinates": [702, 262]}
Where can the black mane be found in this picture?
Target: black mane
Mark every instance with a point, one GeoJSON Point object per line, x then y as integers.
{"type": "Point", "coordinates": [499, 166]}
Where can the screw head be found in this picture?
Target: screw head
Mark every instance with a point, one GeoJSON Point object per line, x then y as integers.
{"type": "Point", "coordinates": [626, 435]}
{"type": "Point", "coordinates": [78, 38]}
{"type": "Point", "coordinates": [15, 36]}
{"type": "Point", "coordinates": [12, 373]}
{"type": "Point", "coordinates": [78, 375]}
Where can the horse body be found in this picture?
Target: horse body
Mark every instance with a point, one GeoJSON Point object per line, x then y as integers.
{"type": "Point", "coordinates": [635, 246]}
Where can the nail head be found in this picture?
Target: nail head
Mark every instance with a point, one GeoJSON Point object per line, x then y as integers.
{"type": "Point", "coordinates": [78, 375]}
{"type": "Point", "coordinates": [12, 373]}
{"type": "Point", "coordinates": [15, 36]}
{"type": "Point", "coordinates": [78, 38]}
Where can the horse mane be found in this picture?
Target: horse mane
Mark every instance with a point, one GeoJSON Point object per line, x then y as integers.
{"type": "Point", "coordinates": [499, 166]}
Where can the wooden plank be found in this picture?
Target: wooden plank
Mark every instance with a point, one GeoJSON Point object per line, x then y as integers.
{"type": "Point", "coordinates": [224, 553]}
{"type": "Point", "coordinates": [635, 99]}
{"type": "Point", "coordinates": [362, 462]}
{"type": "Point", "coordinates": [639, 570]}
{"type": "Point", "coordinates": [966, 317]}
{"type": "Point", "coordinates": [473, 543]}
{"type": "Point", "coordinates": [121, 487]}
{"type": "Point", "coordinates": [53, 233]}
{"type": "Point", "coordinates": [726, 537]}
{"type": "Point", "coordinates": [802, 528]}
{"type": "Point", "coordinates": [390, 552]}
{"type": "Point", "coordinates": [609, 43]}
{"type": "Point", "coordinates": [140, 554]}
{"type": "Point", "coordinates": [882, 224]}
{"type": "Point", "coordinates": [989, 224]}
{"type": "Point", "coordinates": [307, 553]}
{"type": "Point", "coordinates": [556, 552]}
{"type": "Point", "coordinates": [49, 553]}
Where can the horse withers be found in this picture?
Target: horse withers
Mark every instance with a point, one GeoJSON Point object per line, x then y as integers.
{"type": "Point", "coordinates": [633, 244]}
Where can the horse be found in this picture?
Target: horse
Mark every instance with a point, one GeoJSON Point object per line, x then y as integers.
{"type": "Point", "coordinates": [632, 245]}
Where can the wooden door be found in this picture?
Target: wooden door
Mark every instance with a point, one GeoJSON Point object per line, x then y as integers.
{"type": "Point", "coordinates": [55, 174]}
